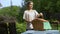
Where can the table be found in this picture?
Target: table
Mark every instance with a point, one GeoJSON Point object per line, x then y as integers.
{"type": "Point", "coordinates": [42, 32]}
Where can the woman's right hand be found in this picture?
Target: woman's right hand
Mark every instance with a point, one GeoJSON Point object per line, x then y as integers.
{"type": "Point", "coordinates": [28, 21]}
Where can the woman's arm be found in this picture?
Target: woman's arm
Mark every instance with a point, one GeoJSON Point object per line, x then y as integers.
{"type": "Point", "coordinates": [27, 21]}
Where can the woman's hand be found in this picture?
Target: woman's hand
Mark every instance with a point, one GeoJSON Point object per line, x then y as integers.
{"type": "Point", "coordinates": [28, 21]}
{"type": "Point", "coordinates": [41, 14]}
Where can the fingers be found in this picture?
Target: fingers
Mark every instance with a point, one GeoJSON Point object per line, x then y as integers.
{"type": "Point", "coordinates": [41, 13]}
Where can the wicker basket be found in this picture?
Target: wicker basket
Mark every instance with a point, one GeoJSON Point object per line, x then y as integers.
{"type": "Point", "coordinates": [37, 24]}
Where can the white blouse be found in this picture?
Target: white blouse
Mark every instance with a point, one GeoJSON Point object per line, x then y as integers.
{"type": "Point", "coordinates": [30, 15]}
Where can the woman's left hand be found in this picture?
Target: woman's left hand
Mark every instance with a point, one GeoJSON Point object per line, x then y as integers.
{"type": "Point", "coordinates": [41, 14]}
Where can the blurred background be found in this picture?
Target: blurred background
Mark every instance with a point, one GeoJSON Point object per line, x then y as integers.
{"type": "Point", "coordinates": [15, 9]}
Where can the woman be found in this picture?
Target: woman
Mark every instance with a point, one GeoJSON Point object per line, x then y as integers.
{"type": "Point", "coordinates": [30, 15]}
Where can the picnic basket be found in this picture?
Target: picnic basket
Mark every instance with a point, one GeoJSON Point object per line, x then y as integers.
{"type": "Point", "coordinates": [37, 24]}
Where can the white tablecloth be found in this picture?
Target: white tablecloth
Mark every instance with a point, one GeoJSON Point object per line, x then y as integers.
{"type": "Point", "coordinates": [42, 32]}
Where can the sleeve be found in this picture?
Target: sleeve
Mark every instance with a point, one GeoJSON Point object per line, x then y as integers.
{"type": "Point", "coordinates": [24, 15]}
{"type": "Point", "coordinates": [36, 12]}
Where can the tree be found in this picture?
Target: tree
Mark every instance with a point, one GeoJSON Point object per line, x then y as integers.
{"type": "Point", "coordinates": [48, 7]}
{"type": "Point", "coordinates": [6, 11]}
{"type": "Point", "coordinates": [0, 4]}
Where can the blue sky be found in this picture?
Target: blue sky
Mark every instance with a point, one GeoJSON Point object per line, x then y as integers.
{"type": "Point", "coordinates": [6, 3]}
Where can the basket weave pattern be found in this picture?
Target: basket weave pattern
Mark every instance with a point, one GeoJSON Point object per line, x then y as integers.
{"type": "Point", "coordinates": [37, 24]}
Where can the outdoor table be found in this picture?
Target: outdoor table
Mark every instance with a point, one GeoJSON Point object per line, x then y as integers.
{"type": "Point", "coordinates": [42, 32]}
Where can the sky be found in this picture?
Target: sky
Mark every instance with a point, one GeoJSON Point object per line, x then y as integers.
{"type": "Point", "coordinates": [6, 3]}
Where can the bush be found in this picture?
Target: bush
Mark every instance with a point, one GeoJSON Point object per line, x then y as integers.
{"type": "Point", "coordinates": [21, 27]}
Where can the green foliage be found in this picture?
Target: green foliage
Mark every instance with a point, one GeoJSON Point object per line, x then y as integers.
{"type": "Point", "coordinates": [21, 27]}
{"type": "Point", "coordinates": [51, 7]}
{"type": "Point", "coordinates": [7, 11]}
{"type": "Point", "coordinates": [13, 11]}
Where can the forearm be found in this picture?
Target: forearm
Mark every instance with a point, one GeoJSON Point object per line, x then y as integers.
{"type": "Point", "coordinates": [41, 16]}
{"type": "Point", "coordinates": [27, 21]}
